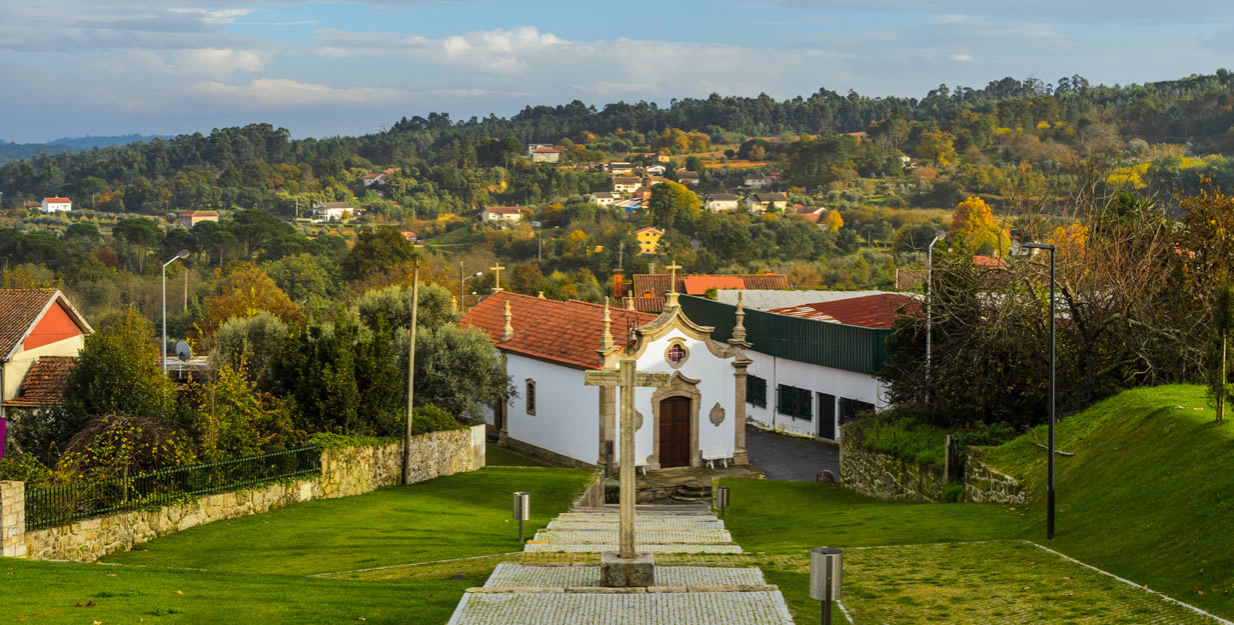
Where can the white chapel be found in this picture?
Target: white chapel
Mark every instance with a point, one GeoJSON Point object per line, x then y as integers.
{"type": "Point", "coordinates": [549, 345]}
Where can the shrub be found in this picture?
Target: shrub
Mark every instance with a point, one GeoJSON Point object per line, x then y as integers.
{"type": "Point", "coordinates": [953, 492]}
{"type": "Point", "coordinates": [907, 439]}
{"type": "Point", "coordinates": [25, 468]}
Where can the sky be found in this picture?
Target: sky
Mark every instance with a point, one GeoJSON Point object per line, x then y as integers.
{"type": "Point", "coordinates": [107, 67]}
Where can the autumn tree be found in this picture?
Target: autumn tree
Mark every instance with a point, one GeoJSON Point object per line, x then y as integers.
{"type": "Point", "coordinates": [974, 224]}
{"type": "Point", "coordinates": [245, 291]}
{"type": "Point", "coordinates": [1220, 390]}
{"type": "Point", "coordinates": [526, 278]}
{"type": "Point", "coordinates": [670, 201]}
{"type": "Point", "coordinates": [832, 221]}
{"type": "Point", "coordinates": [377, 252]}
{"type": "Point", "coordinates": [937, 146]}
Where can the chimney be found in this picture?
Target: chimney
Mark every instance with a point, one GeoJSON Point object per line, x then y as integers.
{"type": "Point", "coordinates": [619, 286]}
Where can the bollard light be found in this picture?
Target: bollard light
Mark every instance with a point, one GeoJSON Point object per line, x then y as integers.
{"type": "Point", "coordinates": [722, 499]}
{"type": "Point", "coordinates": [826, 577]}
{"type": "Point", "coordinates": [522, 511]}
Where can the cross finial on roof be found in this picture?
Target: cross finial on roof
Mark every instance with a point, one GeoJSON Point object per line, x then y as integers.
{"type": "Point", "coordinates": [739, 330]}
{"type": "Point", "coordinates": [497, 279]}
{"type": "Point", "coordinates": [671, 301]}
{"type": "Point", "coordinates": [606, 340]}
{"type": "Point", "coordinates": [508, 332]}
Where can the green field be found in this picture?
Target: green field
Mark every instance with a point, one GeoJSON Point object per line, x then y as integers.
{"type": "Point", "coordinates": [254, 569]}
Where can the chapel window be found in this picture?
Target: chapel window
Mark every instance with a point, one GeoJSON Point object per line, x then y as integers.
{"type": "Point", "coordinates": [676, 354]}
{"type": "Point", "coordinates": [531, 397]}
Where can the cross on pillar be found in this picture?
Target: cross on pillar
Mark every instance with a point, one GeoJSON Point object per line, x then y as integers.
{"type": "Point", "coordinates": [672, 285]}
{"type": "Point", "coordinates": [497, 279]}
{"type": "Point", "coordinates": [628, 379]}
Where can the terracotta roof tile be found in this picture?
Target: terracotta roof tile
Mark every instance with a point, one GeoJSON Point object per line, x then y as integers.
{"type": "Point", "coordinates": [698, 285]}
{"type": "Point", "coordinates": [645, 304]}
{"type": "Point", "coordinates": [44, 382]}
{"type": "Point", "coordinates": [872, 311]}
{"type": "Point", "coordinates": [566, 333]}
{"type": "Point", "coordinates": [19, 308]}
{"type": "Point", "coordinates": [656, 284]}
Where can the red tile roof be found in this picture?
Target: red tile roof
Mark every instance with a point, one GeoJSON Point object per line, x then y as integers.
{"type": "Point", "coordinates": [547, 151]}
{"type": "Point", "coordinates": [503, 210]}
{"type": "Point", "coordinates": [19, 309]}
{"type": "Point", "coordinates": [872, 311]}
{"type": "Point", "coordinates": [698, 285]}
{"type": "Point", "coordinates": [57, 200]}
{"type": "Point", "coordinates": [567, 333]}
{"type": "Point", "coordinates": [645, 304]}
{"type": "Point", "coordinates": [657, 283]}
{"type": "Point", "coordinates": [199, 214]}
{"type": "Point", "coordinates": [648, 229]}
{"type": "Point", "coordinates": [44, 382]}
{"type": "Point", "coordinates": [989, 261]}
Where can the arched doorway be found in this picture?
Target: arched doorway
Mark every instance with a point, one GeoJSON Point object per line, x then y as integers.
{"type": "Point", "coordinates": [674, 432]}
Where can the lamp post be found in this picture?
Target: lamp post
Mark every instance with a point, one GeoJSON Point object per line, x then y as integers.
{"type": "Point", "coordinates": [938, 236]}
{"type": "Point", "coordinates": [1049, 497]}
{"type": "Point", "coordinates": [163, 349]}
{"type": "Point", "coordinates": [540, 243]}
{"type": "Point", "coordinates": [462, 298]}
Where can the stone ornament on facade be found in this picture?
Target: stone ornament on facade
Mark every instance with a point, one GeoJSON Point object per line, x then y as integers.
{"type": "Point", "coordinates": [717, 414]}
{"type": "Point", "coordinates": [638, 420]}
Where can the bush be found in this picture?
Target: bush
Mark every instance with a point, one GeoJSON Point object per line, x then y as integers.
{"type": "Point", "coordinates": [985, 434]}
{"type": "Point", "coordinates": [25, 468]}
{"type": "Point", "coordinates": [953, 492]}
{"type": "Point", "coordinates": [430, 418]}
{"type": "Point", "coordinates": [425, 420]}
{"type": "Point", "coordinates": [907, 439]}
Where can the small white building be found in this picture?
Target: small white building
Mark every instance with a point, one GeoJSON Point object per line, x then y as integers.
{"type": "Point", "coordinates": [758, 181]}
{"type": "Point", "coordinates": [532, 147]}
{"type": "Point", "coordinates": [655, 170]}
{"type": "Point", "coordinates": [618, 168]}
{"type": "Point", "coordinates": [546, 155]}
{"type": "Point", "coordinates": [501, 214]}
{"type": "Point", "coordinates": [56, 205]}
{"type": "Point", "coordinates": [548, 346]}
{"type": "Point", "coordinates": [759, 203]}
{"type": "Point", "coordinates": [626, 184]}
{"type": "Point", "coordinates": [604, 198]}
{"type": "Point", "coordinates": [721, 202]}
{"type": "Point", "coordinates": [687, 177]}
{"type": "Point", "coordinates": [335, 211]}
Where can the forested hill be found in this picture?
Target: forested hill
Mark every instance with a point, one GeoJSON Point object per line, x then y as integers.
{"type": "Point", "coordinates": [259, 165]}
{"type": "Point", "coordinates": [14, 151]}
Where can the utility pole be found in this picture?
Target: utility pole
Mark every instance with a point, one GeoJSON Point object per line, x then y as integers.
{"type": "Point", "coordinates": [462, 299]}
{"type": "Point", "coordinates": [411, 369]}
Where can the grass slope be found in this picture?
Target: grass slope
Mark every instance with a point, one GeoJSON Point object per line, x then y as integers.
{"type": "Point", "coordinates": [1149, 494]}
{"type": "Point", "coordinates": [459, 516]}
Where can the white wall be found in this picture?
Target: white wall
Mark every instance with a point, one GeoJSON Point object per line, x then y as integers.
{"type": "Point", "coordinates": [15, 369]}
{"type": "Point", "coordinates": [816, 378]}
{"type": "Point", "coordinates": [567, 419]}
{"type": "Point", "coordinates": [716, 384]}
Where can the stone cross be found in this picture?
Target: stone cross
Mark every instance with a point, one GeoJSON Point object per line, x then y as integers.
{"type": "Point", "coordinates": [497, 280]}
{"type": "Point", "coordinates": [628, 379]}
{"type": "Point", "coordinates": [670, 300]}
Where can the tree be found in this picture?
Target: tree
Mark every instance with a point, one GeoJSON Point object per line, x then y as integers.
{"type": "Point", "coordinates": [669, 200]}
{"type": "Point", "coordinates": [233, 419]}
{"type": "Point", "coordinates": [118, 372]}
{"type": "Point", "coordinates": [249, 344]}
{"type": "Point", "coordinates": [937, 146]}
{"type": "Point", "coordinates": [1220, 390]}
{"type": "Point", "coordinates": [974, 224]}
{"type": "Point", "coordinates": [457, 370]}
{"type": "Point", "coordinates": [832, 221]}
{"type": "Point", "coordinates": [245, 292]}
{"type": "Point", "coordinates": [141, 235]}
{"type": "Point", "coordinates": [303, 277]}
{"type": "Point", "coordinates": [393, 305]}
{"type": "Point", "coordinates": [526, 278]}
{"type": "Point", "coordinates": [376, 252]}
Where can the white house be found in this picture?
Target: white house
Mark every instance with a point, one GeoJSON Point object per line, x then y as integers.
{"type": "Point", "coordinates": [655, 170]}
{"type": "Point", "coordinates": [827, 376]}
{"type": "Point", "coordinates": [56, 205]}
{"type": "Point", "coordinates": [721, 203]}
{"type": "Point", "coordinates": [763, 202]}
{"type": "Point", "coordinates": [604, 198]}
{"type": "Point", "coordinates": [548, 346]}
{"type": "Point", "coordinates": [687, 177]}
{"type": "Point", "coordinates": [546, 155]}
{"type": "Point", "coordinates": [618, 168]}
{"type": "Point", "coordinates": [335, 211]}
{"type": "Point", "coordinates": [626, 184]}
{"type": "Point", "coordinates": [758, 181]}
{"type": "Point", "coordinates": [502, 214]}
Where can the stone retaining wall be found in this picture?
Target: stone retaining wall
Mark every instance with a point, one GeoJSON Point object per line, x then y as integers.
{"type": "Point", "coordinates": [885, 476]}
{"type": "Point", "coordinates": [344, 472]}
{"type": "Point", "coordinates": [985, 484]}
{"type": "Point", "coordinates": [593, 496]}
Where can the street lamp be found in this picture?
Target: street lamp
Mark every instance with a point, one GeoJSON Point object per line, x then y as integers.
{"type": "Point", "coordinates": [1049, 497]}
{"type": "Point", "coordinates": [462, 298]}
{"type": "Point", "coordinates": [182, 254]}
{"type": "Point", "coordinates": [938, 236]}
{"type": "Point", "coordinates": [540, 243]}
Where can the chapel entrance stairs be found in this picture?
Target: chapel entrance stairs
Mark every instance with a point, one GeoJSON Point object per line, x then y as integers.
{"type": "Point", "coordinates": [559, 591]}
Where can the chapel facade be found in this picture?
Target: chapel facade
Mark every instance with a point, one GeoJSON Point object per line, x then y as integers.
{"type": "Point", "coordinates": [547, 347]}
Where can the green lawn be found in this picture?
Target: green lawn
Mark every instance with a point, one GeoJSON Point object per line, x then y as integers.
{"type": "Point", "coordinates": [256, 567]}
{"type": "Point", "coordinates": [495, 456]}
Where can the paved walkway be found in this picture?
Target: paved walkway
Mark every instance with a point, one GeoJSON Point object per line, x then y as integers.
{"type": "Point", "coordinates": [566, 593]}
{"type": "Point", "coordinates": [790, 458]}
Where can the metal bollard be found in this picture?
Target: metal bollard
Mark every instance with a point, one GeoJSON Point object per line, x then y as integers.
{"type": "Point", "coordinates": [826, 577]}
{"type": "Point", "coordinates": [522, 511]}
{"type": "Point", "coordinates": [722, 499]}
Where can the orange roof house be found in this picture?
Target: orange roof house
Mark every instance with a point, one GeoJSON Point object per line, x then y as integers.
{"type": "Point", "coordinates": [872, 311]}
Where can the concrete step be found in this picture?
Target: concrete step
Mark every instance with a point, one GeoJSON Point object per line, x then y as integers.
{"type": "Point", "coordinates": [519, 575]}
{"type": "Point", "coordinates": [642, 536]}
{"type": "Point", "coordinates": [642, 516]}
{"type": "Point", "coordinates": [669, 524]}
{"type": "Point", "coordinates": [694, 608]}
{"type": "Point", "coordinates": [652, 548]}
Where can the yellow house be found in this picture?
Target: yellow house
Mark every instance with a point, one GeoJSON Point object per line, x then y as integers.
{"type": "Point", "coordinates": [648, 239]}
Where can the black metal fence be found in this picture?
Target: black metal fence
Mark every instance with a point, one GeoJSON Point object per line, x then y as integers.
{"type": "Point", "coordinates": [64, 504]}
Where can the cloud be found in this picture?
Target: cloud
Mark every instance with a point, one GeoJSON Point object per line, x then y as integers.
{"type": "Point", "coordinates": [282, 94]}
{"type": "Point", "coordinates": [500, 51]}
{"type": "Point", "coordinates": [962, 57]}
{"type": "Point", "coordinates": [210, 62]}
{"type": "Point", "coordinates": [219, 16]}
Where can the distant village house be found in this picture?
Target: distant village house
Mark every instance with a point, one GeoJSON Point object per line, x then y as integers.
{"type": "Point", "coordinates": [502, 214]}
{"type": "Point", "coordinates": [56, 205]}
{"type": "Point", "coordinates": [192, 218]}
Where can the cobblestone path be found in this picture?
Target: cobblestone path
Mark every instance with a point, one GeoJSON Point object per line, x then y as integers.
{"type": "Point", "coordinates": [566, 593]}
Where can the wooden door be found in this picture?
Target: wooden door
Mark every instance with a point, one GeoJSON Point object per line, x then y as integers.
{"type": "Point", "coordinates": [826, 416]}
{"type": "Point", "coordinates": [675, 432]}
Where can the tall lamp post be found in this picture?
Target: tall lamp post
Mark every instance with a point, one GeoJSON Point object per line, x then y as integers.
{"type": "Point", "coordinates": [1049, 497]}
{"type": "Point", "coordinates": [462, 297]}
{"type": "Point", "coordinates": [182, 254]}
{"type": "Point", "coordinates": [938, 236]}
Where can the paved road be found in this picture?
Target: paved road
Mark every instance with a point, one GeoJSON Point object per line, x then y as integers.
{"type": "Point", "coordinates": [790, 458]}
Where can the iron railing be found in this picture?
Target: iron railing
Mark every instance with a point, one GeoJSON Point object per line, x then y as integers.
{"type": "Point", "coordinates": [65, 504]}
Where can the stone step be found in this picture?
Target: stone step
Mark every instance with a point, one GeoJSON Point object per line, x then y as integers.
{"type": "Point", "coordinates": [652, 548]}
{"type": "Point", "coordinates": [643, 536]}
{"type": "Point", "coordinates": [671, 524]}
{"type": "Point", "coordinates": [577, 516]}
{"type": "Point", "coordinates": [508, 574]}
{"type": "Point", "coordinates": [701, 608]}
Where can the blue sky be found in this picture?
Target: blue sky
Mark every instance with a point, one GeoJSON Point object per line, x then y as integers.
{"type": "Point", "coordinates": [76, 67]}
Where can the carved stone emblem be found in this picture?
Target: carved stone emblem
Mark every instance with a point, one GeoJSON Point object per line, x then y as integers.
{"type": "Point", "coordinates": [717, 414]}
{"type": "Point", "coordinates": [638, 420]}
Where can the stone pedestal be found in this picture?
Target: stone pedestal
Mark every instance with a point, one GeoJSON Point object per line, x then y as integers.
{"type": "Point", "coordinates": [12, 519]}
{"type": "Point", "coordinates": [618, 572]}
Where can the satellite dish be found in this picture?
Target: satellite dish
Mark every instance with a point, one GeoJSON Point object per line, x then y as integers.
{"type": "Point", "coordinates": [183, 351]}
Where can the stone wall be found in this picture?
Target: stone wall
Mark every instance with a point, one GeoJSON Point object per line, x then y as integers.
{"type": "Point", "coordinates": [885, 476]}
{"type": "Point", "coordinates": [985, 484]}
{"type": "Point", "coordinates": [593, 496]}
{"type": "Point", "coordinates": [344, 472]}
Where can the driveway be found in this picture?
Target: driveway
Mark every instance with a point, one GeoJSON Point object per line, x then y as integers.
{"type": "Point", "coordinates": [790, 458]}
